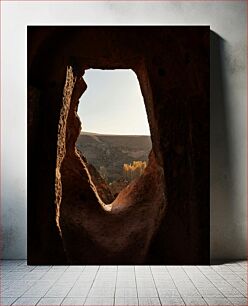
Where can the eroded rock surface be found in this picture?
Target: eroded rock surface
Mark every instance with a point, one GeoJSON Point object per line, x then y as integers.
{"type": "Point", "coordinates": [117, 233]}
{"type": "Point", "coordinates": [101, 185]}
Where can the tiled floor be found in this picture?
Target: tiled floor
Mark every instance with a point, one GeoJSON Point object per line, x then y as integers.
{"type": "Point", "coordinates": [123, 285]}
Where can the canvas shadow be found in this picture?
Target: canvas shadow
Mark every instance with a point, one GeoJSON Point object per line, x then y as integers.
{"type": "Point", "coordinates": [222, 206]}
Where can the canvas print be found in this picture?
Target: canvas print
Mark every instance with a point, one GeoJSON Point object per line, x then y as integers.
{"type": "Point", "coordinates": [118, 145]}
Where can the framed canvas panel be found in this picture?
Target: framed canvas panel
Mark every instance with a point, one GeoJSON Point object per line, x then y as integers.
{"type": "Point", "coordinates": [162, 215]}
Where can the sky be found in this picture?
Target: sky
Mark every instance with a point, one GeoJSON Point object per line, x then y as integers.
{"type": "Point", "coordinates": [113, 103]}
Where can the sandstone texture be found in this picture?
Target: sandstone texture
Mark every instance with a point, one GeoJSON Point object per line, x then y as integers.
{"type": "Point", "coordinates": [101, 185]}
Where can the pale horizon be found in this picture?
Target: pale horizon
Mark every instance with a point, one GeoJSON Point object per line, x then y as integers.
{"type": "Point", "coordinates": [104, 134]}
{"type": "Point", "coordinates": [113, 104]}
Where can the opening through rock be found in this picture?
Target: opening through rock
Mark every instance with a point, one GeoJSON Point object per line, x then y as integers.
{"type": "Point", "coordinates": [121, 231]}
{"type": "Point", "coordinates": [115, 135]}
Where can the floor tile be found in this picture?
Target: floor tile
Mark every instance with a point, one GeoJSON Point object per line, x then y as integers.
{"type": "Point", "coordinates": [99, 301]}
{"type": "Point", "coordinates": [15, 275]}
{"type": "Point", "coordinates": [26, 301]}
{"type": "Point", "coordinates": [126, 274]}
{"type": "Point", "coordinates": [164, 292]}
{"type": "Point", "coordinates": [108, 268]}
{"type": "Point", "coordinates": [147, 292]}
{"type": "Point", "coordinates": [217, 301]}
{"type": "Point", "coordinates": [73, 301]}
{"type": "Point", "coordinates": [149, 301]}
{"type": "Point", "coordinates": [79, 291]}
{"type": "Point", "coordinates": [165, 284]}
{"type": "Point", "coordinates": [126, 292]}
{"type": "Point", "coordinates": [194, 301]}
{"type": "Point", "coordinates": [126, 301]}
{"type": "Point", "coordinates": [238, 301]}
{"type": "Point", "coordinates": [125, 268]}
{"type": "Point", "coordinates": [41, 268]}
{"type": "Point", "coordinates": [7, 300]}
{"type": "Point", "coordinates": [75, 269]}
{"type": "Point", "coordinates": [58, 268]}
{"type": "Point", "coordinates": [210, 292]}
{"type": "Point", "coordinates": [127, 285]}
{"type": "Point", "coordinates": [50, 301]}
{"type": "Point", "coordinates": [189, 292]}
{"type": "Point", "coordinates": [39, 289]}
{"type": "Point", "coordinates": [13, 292]}
{"type": "Point", "coordinates": [145, 282]}
{"type": "Point", "coordinates": [58, 291]}
{"type": "Point", "coordinates": [230, 292]}
{"type": "Point", "coordinates": [102, 292]}
{"type": "Point", "coordinates": [167, 301]}
{"type": "Point", "coordinates": [103, 284]}
{"type": "Point", "coordinates": [51, 275]}
{"type": "Point", "coordinates": [91, 268]}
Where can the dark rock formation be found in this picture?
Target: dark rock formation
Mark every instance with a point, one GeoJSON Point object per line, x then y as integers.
{"type": "Point", "coordinates": [117, 186]}
{"type": "Point", "coordinates": [102, 187]}
{"type": "Point", "coordinates": [162, 217]}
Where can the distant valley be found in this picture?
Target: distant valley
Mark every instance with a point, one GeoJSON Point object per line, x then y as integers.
{"type": "Point", "coordinates": [108, 153]}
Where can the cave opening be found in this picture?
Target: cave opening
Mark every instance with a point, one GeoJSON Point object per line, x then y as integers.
{"type": "Point", "coordinates": [115, 134]}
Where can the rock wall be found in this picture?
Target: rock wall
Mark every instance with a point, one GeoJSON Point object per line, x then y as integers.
{"type": "Point", "coordinates": [165, 211]}
{"type": "Point", "coordinates": [101, 185]}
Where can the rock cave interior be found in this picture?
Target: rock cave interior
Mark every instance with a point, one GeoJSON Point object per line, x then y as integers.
{"type": "Point", "coordinates": [161, 217]}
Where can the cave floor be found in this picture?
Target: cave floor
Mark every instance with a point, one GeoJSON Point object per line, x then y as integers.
{"type": "Point", "coordinates": [224, 284]}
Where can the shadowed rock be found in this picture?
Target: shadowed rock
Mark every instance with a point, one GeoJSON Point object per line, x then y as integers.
{"type": "Point", "coordinates": [162, 217]}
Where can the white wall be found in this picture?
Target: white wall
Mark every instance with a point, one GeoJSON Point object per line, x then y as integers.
{"type": "Point", "coordinates": [228, 104]}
